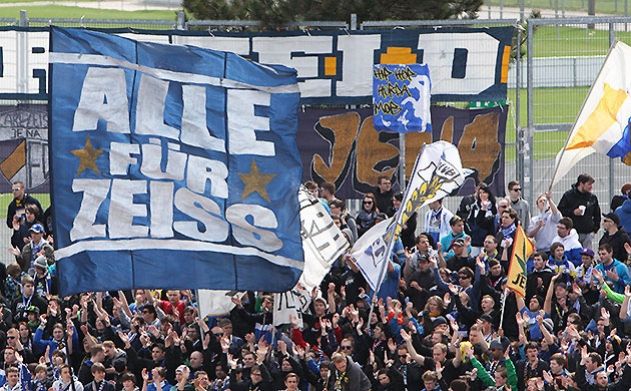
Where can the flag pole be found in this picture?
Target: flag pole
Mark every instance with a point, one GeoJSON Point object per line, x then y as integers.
{"type": "Point", "coordinates": [591, 88]}
{"type": "Point", "coordinates": [506, 290]}
{"type": "Point", "coordinates": [392, 228]}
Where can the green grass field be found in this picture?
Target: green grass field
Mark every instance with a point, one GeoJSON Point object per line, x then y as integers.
{"type": "Point", "coordinates": [552, 106]}
{"type": "Point", "coordinates": [55, 11]}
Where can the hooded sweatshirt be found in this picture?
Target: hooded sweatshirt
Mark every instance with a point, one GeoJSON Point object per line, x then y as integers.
{"type": "Point", "coordinates": [572, 247]}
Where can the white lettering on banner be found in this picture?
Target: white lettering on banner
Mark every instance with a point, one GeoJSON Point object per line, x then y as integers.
{"type": "Point", "coordinates": [289, 307]}
{"type": "Point", "coordinates": [284, 50]}
{"type": "Point", "coordinates": [194, 130]}
{"type": "Point", "coordinates": [103, 97]}
{"type": "Point", "coordinates": [356, 71]}
{"type": "Point", "coordinates": [94, 193]}
{"type": "Point", "coordinates": [122, 208]}
{"type": "Point", "coordinates": [243, 122]}
{"type": "Point", "coordinates": [152, 95]}
{"type": "Point", "coordinates": [439, 52]}
{"type": "Point", "coordinates": [26, 72]}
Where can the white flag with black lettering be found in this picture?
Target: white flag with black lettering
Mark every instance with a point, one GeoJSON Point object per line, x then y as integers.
{"type": "Point", "coordinates": [322, 240]}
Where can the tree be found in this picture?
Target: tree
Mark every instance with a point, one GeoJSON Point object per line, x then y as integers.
{"type": "Point", "coordinates": [274, 13]}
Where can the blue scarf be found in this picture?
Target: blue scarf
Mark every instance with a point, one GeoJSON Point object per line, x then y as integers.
{"type": "Point", "coordinates": [508, 231]}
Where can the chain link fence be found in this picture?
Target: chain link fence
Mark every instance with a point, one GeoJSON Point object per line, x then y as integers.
{"type": "Point", "coordinates": [546, 88]}
{"type": "Point", "coordinates": [554, 8]}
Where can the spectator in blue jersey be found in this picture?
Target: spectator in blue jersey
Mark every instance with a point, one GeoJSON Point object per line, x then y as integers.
{"type": "Point", "coordinates": [456, 225]}
{"type": "Point", "coordinates": [614, 272]}
{"type": "Point", "coordinates": [58, 340]}
{"type": "Point", "coordinates": [157, 381]}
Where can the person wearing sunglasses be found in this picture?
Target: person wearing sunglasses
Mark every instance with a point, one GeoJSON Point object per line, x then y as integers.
{"type": "Point", "coordinates": [517, 202]}
{"type": "Point", "coordinates": [367, 216]}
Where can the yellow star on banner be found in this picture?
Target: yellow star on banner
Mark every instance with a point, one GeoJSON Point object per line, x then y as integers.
{"type": "Point", "coordinates": [87, 157]}
{"type": "Point", "coordinates": [255, 182]}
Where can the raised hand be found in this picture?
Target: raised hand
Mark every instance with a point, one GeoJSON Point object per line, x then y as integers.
{"type": "Point", "coordinates": [405, 336]}
{"type": "Point", "coordinates": [282, 347]}
{"type": "Point", "coordinates": [597, 274]}
{"type": "Point", "coordinates": [612, 274]}
{"type": "Point", "coordinates": [15, 251]}
{"type": "Point", "coordinates": [392, 346]}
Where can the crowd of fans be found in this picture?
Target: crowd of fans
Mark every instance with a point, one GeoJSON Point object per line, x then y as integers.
{"type": "Point", "coordinates": [442, 320]}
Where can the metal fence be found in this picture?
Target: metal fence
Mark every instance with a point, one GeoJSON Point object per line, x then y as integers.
{"type": "Point", "coordinates": [546, 89]}
{"type": "Point", "coordinates": [553, 8]}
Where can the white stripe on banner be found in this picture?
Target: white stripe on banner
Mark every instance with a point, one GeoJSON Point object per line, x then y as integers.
{"type": "Point", "coordinates": [174, 244]}
{"type": "Point", "coordinates": [181, 77]}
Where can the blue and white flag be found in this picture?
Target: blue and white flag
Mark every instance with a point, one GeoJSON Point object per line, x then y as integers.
{"type": "Point", "coordinates": [401, 98]}
{"type": "Point", "coordinates": [172, 167]}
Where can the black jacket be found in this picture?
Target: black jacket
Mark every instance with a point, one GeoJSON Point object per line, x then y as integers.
{"type": "Point", "coordinates": [617, 241]}
{"type": "Point", "coordinates": [16, 205]}
{"type": "Point", "coordinates": [590, 220]}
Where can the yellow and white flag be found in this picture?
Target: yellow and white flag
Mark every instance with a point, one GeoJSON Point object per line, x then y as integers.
{"type": "Point", "coordinates": [522, 249]}
{"type": "Point", "coordinates": [602, 125]}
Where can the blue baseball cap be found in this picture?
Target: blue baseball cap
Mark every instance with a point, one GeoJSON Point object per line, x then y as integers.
{"type": "Point", "coordinates": [37, 228]}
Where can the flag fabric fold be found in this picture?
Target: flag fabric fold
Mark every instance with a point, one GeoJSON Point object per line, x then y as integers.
{"type": "Point", "coordinates": [437, 173]}
{"type": "Point", "coordinates": [172, 166]}
{"type": "Point", "coordinates": [602, 125]}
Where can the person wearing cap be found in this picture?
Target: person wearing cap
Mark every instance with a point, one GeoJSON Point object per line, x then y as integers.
{"type": "Point", "coordinates": [614, 236]}
{"type": "Point", "coordinates": [487, 327]}
{"type": "Point", "coordinates": [585, 279]}
{"type": "Point", "coordinates": [182, 374]}
{"type": "Point", "coordinates": [36, 247]}
{"type": "Point", "coordinates": [624, 212]}
{"type": "Point", "coordinates": [456, 225]}
{"type": "Point", "coordinates": [581, 205]}
{"type": "Point", "coordinates": [460, 257]}
{"type": "Point", "coordinates": [619, 199]}
{"type": "Point", "coordinates": [500, 370]}
{"type": "Point", "coordinates": [45, 284]}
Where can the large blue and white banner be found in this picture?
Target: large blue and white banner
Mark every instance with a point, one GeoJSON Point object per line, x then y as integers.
{"type": "Point", "coordinates": [172, 166]}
